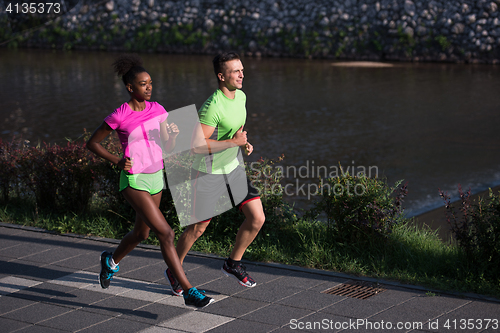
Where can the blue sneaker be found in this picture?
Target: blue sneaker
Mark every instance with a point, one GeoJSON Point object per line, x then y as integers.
{"type": "Point", "coordinates": [193, 297]}
{"type": "Point", "coordinates": [106, 274]}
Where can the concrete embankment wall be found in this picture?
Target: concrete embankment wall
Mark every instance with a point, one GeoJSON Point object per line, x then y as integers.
{"type": "Point", "coordinates": [407, 30]}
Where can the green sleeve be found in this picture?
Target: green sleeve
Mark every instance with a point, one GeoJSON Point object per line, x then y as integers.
{"type": "Point", "coordinates": [209, 114]}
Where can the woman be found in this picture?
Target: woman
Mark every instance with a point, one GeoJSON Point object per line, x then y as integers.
{"type": "Point", "coordinates": [144, 133]}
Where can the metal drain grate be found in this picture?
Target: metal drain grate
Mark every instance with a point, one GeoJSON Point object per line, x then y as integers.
{"type": "Point", "coordinates": [355, 289]}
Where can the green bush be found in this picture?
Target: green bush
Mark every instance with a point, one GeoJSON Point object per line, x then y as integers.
{"type": "Point", "coordinates": [358, 207]}
{"type": "Point", "coordinates": [62, 178]}
{"type": "Point", "coordinates": [476, 228]}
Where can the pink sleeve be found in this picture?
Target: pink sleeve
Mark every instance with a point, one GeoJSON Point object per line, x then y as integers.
{"type": "Point", "coordinates": [113, 120]}
{"type": "Point", "coordinates": [164, 113]}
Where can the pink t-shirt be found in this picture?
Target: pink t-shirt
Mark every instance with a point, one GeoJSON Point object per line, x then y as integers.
{"type": "Point", "coordinates": [139, 133]}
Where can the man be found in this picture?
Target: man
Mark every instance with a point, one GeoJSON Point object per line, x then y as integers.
{"type": "Point", "coordinates": [217, 170]}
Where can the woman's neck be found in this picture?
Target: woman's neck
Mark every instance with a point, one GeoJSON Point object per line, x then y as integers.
{"type": "Point", "coordinates": [137, 105]}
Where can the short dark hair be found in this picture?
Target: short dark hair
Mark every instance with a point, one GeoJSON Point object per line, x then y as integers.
{"type": "Point", "coordinates": [222, 58]}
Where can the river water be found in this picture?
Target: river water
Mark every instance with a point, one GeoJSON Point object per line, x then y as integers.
{"type": "Point", "coordinates": [433, 125]}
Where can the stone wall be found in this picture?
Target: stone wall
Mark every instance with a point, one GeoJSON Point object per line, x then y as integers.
{"type": "Point", "coordinates": [407, 30]}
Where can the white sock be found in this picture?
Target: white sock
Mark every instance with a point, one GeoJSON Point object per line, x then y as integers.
{"type": "Point", "coordinates": [111, 263]}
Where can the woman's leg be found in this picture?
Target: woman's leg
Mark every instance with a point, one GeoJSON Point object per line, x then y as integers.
{"type": "Point", "coordinates": [131, 239]}
{"type": "Point", "coordinates": [147, 208]}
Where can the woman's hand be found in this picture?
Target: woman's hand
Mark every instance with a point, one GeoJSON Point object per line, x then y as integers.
{"type": "Point", "coordinates": [125, 164]}
{"type": "Point", "coordinates": [172, 130]}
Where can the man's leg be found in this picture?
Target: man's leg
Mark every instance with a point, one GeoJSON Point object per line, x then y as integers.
{"type": "Point", "coordinates": [254, 220]}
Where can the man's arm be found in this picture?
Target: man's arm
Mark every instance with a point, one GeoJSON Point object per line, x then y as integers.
{"type": "Point", "coordinates": [204, 145]}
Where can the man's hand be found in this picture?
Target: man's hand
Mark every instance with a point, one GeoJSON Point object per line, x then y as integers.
{"type": "Point", "coordinates": [240, 137]}
{"type": "Point", "coordinates": [248, 148]}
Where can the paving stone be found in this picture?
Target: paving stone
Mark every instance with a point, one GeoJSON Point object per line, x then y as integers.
{"type": "Point", "coordinates": [418, 309]}
{"type": "Point", "coordinates": [32, 270]}
{"type": "Point", "coordinates": [179, 301]}
{"type": "Point", "coordinates": [268, 292]}
{"type": "Point", "coordinates": [204, 274]}
{"type": "Point", "coordinates": [311, 300]}
{"type": "Point", "coordinates": [284, 329]}
{"type": "Point", "coordinates": [39, 329]}
{"type": "Point", "coordinates": [243, 326]}
{"type": "Point", "coordinates": [154, 313]}
{"type": "Point", "coordinates": [82, 261]}
{"type": "Point", "coordinates": [43, 292]}
{"type": "Point", "coordinates": [457, 319]}
{"type": "Point", "coordinates": [139, 259]}
{"type": "Point", "coordinates": [117, 287]}
{"type": "Point", "coordinates": [115, 305]}
{"type": "Point", "coordinates": [306, 280]}
{"type": "Point", "coordinates": [193, 262]}
{"type": "Point", "coordinates": [276, 314]}
{"type": "Point", "coordinates": [9, 230]}
{"type": "Point", "coordinates": [224, 285]}
{"type": "Point", "coordinates": [196, 321]}
{"type": "Point", "coordinates": [36, 313]}
{"type": "Point", "coordinates": [116, 325]}
{"type": "Point", "coordinates": [327, 285]}
{"type": "Point", "coordinates": [8, 303]}
{"type": "Point", "coordinates": [78, 298]}
{"type": "Point", "coordinates": [152, 273]}
{"type": "Point", "coordinates": [24, 250]}
{"type": "Point", "coordinates": [150, 292]}
{"type": "Point", "coordinates": [234, 307]}
{"type": "Point", "coordinates": [355, 308]}
{"type": "Point", "coordinates": [6, 244]}
{"type": "Point", "coordinates": [11, 284]}
{"type": "Point", "coordinates": [75, 320]}
{"type": "Point", "coordinates": [53, 255]}
{"type": "Point", "coordinates": [9, 325]}
{"type": "Point", "coordinates": [157, 329]}
{"type": "Point", "coordinates": [264, 274]}
{"type": "Point", "coordinates": [78, 279]}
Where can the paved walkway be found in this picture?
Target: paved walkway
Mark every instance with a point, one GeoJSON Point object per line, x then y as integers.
{"type": "Point", "coordinates": [48, 283]}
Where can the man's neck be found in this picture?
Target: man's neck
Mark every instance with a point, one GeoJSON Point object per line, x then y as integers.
{"type": "Point", "coordinates": [229, 93]}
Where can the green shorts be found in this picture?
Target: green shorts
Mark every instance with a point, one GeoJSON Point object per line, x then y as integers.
{"type": "Point", "coordinates": [149, 182]}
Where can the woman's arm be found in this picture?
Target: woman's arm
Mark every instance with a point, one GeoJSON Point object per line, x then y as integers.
{"type": "Point", "coordinates": [168, 135]}
{"type": "Point", "coordinates": [94, 145]}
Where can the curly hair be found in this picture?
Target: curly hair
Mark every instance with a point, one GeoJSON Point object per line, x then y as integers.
{"type": "Point", "coordinates": [128, 66]}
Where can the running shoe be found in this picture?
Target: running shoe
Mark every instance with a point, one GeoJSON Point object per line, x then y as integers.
{"type": "Point", "coordinates": [239, 272]}
{"type": "Point", "coordinates": [174, 284]}
{"type": "Point", "coordinates": [195, 298]}
{"type": "Point", "coordinates": [106, 274]}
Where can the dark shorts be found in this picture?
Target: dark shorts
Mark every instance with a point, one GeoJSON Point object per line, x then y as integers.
{"type": "Point", "coordinates": [235, 188]}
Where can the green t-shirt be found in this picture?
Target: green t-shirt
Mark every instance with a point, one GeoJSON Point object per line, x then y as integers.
{"type": "Point", "coordinates": [227, 116]}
